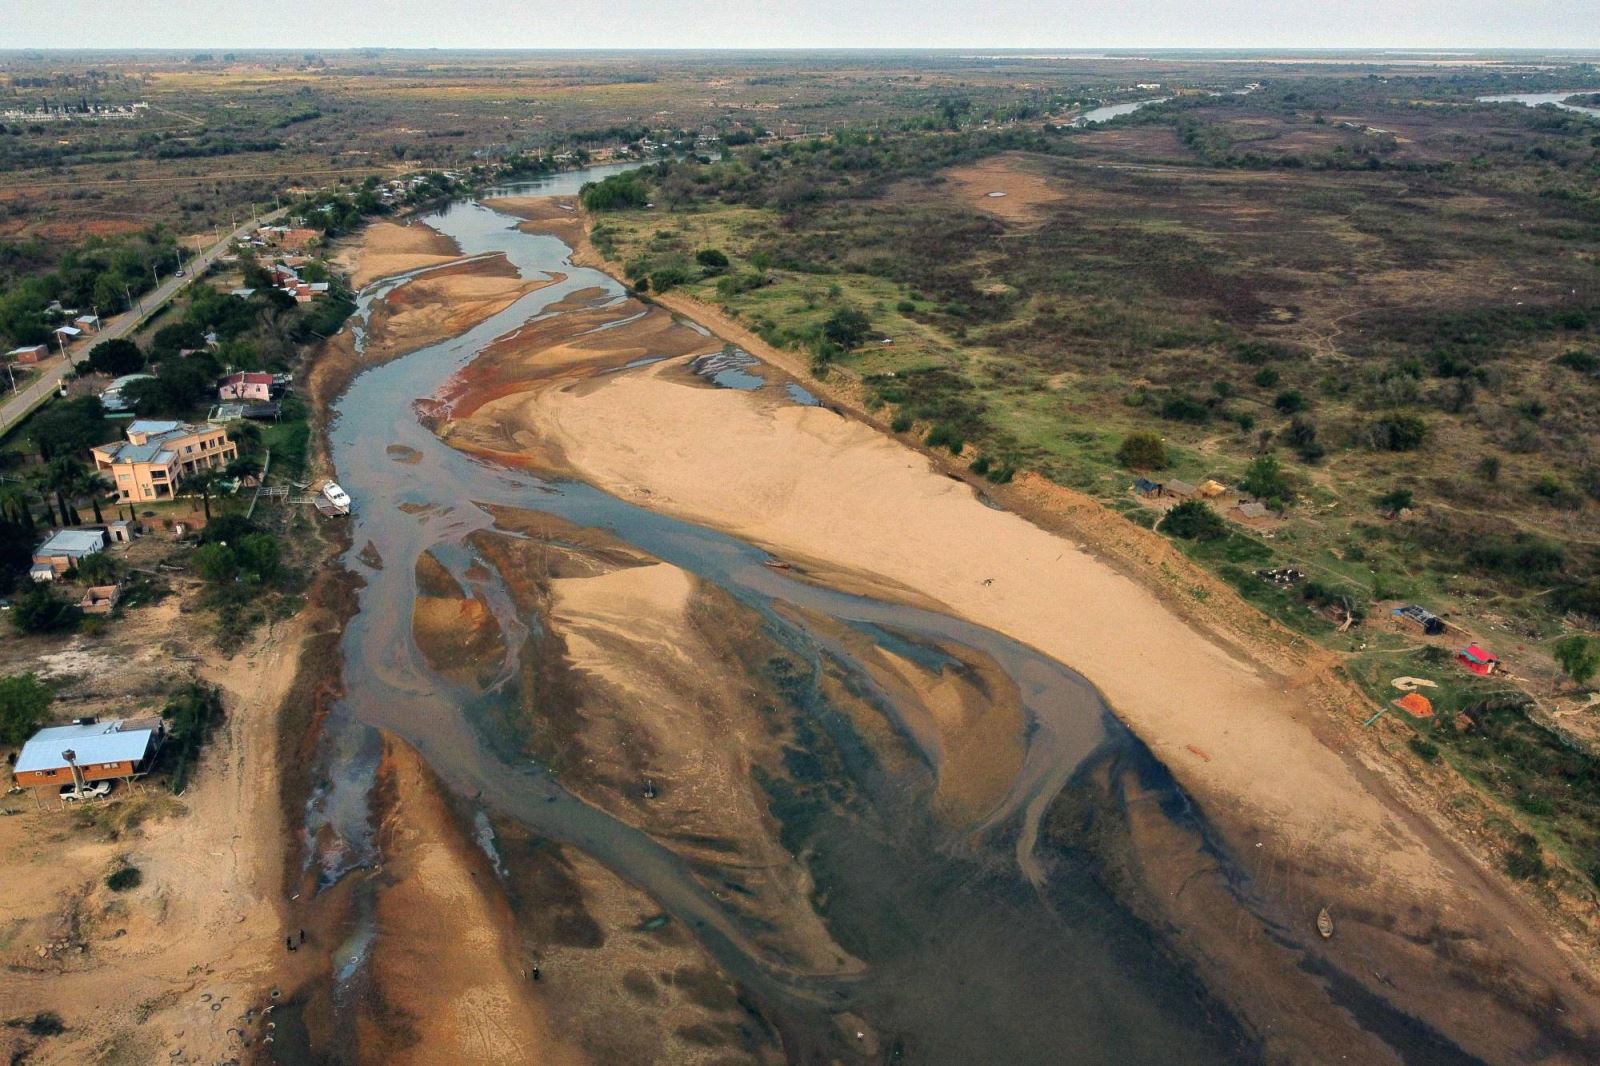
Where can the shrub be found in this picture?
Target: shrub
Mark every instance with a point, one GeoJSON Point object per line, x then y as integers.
{"type": "Point", "coordinates": [190, 713]}
{"type": "Point", "coordinates": [1425, 749]}
{"type": "Point", "coordinates": [124, 878]}
{"type": "Point", "coordinates": [615, 193]}
{"type": "Point", "coordinates": [1194, 520]}
{"type": "Point", "coordinates": [1522, 556]}
{"type": "Point", "coordinates": [1182, 408]}
{"type": "Point", "coordinates": [1256, 353]}
{"type": "Point", "coordinates": [1395, 500]}
{"type": "Point", "coordinates": [1579, 657]}
{"type": "Point", "coordinates": [946, 436]}
{"type": "Point", "coordinates": [1301, 435]}
{"type": "Point", "coordinates": [1267, 377]}
{"type": "Point", "coordinates": [905, 307]}
{"type": "Point", "coordinates": [980, 465]}
{"type": "Point", "coordinates": [1396, 433]}
{"type": "Point", "coordinates": [712, 259]}
{"type": "Point", "coordinates": [1525, 861]}
{"type": "Point", "coordinates": [901, 422]}
{"type": "Point", "coordinates": [1556, 493]}
{"type": "Point", "coordinates": [669, 276]}
{"type": "Point", "coordinates": [1142, 451]}
{"type": "Point", "coordinates": [1290, 402]}
{"type": "Point", "coordinates": [1582, 362]}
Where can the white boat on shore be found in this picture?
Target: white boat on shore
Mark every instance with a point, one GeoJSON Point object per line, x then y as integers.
{"type": "Point", "coordinates": [336, 496]}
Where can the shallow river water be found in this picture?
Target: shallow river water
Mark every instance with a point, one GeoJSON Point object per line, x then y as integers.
{"type": "Point", "coordinates": [982, 951]}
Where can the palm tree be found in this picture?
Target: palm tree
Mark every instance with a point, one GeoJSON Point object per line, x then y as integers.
{"type": "Point", "coordinates": [97, 487]}
{"type": "Point", "coordinates": [202, 480]}
{"type": "Point", "coordinates": [62, 477]}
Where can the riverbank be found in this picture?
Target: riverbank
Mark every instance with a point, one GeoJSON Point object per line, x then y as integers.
{"type": "Point", "coordinates": [1242, 713]}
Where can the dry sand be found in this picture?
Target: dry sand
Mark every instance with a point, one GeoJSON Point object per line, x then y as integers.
{"type": "Point", "coordinates": [443, 303]}
{"type": "Point", "coordinates": [555, 215]}
{"type": "Point", "coordinates": [388, 248]}
{"type": "Point", "coordinates": [448, 983]}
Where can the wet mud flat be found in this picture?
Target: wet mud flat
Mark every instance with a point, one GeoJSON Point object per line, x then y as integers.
{"type": "Point", "coordinates": [682, 805]}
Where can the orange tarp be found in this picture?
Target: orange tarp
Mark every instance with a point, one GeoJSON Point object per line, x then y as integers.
{"type": "Point", "coordinates": [1416, 705]}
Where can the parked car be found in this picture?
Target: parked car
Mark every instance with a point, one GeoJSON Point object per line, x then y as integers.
{"type": "Point", "coordinates": [90, 790]}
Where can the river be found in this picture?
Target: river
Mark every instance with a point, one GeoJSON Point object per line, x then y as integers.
{"type": "Point", "coordinates": [1110, 111]}
{"type": "Point", "coordinates": [1540, 99]}
{"type": "Point", "coordinates": [998, 947]}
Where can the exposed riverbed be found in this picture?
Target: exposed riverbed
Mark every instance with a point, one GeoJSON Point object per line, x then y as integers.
{"type": "Point", "coordinates": [866, 910]}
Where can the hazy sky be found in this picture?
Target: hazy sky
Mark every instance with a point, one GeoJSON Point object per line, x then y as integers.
{"type": "Point", "coordinates": [799, 23]}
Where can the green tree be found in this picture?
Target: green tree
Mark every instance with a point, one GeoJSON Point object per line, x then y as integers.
{"type": "Point", "coordinates": [39, 610]}
{"type": "Point", "coordinates": [1142, 451]}
{"type": "Point", "coordinates": [1194, 520]}
{"type": "Point", "coordinates": [216, 563]}
{"type": "Point", "coordinates": [97, 569]}
{"type": "Point", "coordinates": [70, 426]}
{"type": "Point", "coordinates": [258, 557]}
{"type": "Point", "coordinates": [1579, 657]}
{"type": "Point", "coordinates": [116, 357]}
{"type": "Point", "coordinates": [203, 481]}
{"type": "Point", "coordinates": [847, 327]}
{"type": "Point", "coordinates": [1265, 480]}
{"type": "Point", "coordinates": [24, 704]}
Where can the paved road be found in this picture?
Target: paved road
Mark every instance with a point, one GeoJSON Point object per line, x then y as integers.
{"type": "Point", "coordinates": [16, 406]}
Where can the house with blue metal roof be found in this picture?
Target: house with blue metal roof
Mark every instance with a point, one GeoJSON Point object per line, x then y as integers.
{"type": "Point", "coordinates": [98, 751]}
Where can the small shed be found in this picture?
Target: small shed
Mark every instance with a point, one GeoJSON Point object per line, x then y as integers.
{"type": "Point", "coordinates": [1211, 488]}
{"type": "Point", "coordinates": [122, 531]}
{"type": "Point", "coordinates": [1477, 660]}
{"type": "Point", "coordinates": [28, 354]}
{"type": "Point", "coordinates": [1420, 617]}
{"type": "Point", "coordinates": [1145, 487]}
{"type": "Point", "coordinates": [1250, 509]}
{"type": "Point", "coordinates": [1181, 489]}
